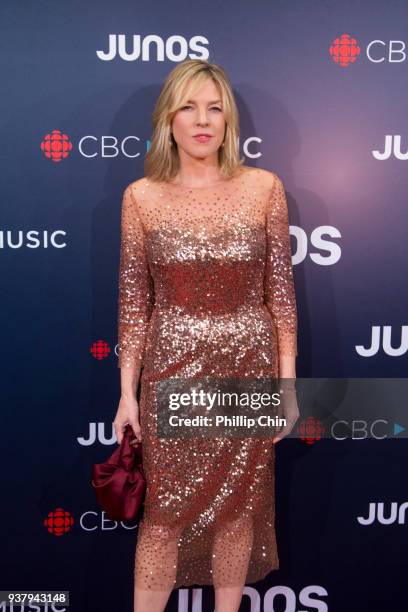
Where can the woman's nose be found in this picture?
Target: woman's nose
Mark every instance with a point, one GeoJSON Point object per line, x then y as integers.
{"type": "Point", "coordinates": [202, 118]}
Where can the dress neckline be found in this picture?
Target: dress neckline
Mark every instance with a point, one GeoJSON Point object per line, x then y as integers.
{"type": "Point", "coordinates": [204, 187]}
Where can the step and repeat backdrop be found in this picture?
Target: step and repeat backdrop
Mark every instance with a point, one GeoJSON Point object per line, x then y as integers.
{"type": "Point", "coordinates": [322, 91]}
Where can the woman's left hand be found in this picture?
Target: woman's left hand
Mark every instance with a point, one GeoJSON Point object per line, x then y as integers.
{"type": "Point", "coordinates": [288, 409]}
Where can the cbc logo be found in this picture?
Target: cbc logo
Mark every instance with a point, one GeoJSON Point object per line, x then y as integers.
{"type": "Point", "coordinates": [345, 50]}
{"type": "Point", "coordinates": [110, 146]}
{"type": "Point", "coordinates": [99, 521]}
{"type": "Point", "coordinates": [392, 51]}
{"type": "Point", "coordinates": [360, 429]}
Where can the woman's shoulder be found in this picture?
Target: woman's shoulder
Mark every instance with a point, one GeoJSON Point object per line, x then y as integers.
{"type": "Point", "coordinates": [138, 186]}
{"type": "Point", "coordinates": [261, 176]}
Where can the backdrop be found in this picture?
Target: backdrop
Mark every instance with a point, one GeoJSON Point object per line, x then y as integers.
{"type": "Point", "coordinates": [322, 93]}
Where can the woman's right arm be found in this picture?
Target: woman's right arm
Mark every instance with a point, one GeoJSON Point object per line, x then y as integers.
{"type": "Point", "coordinates": [135, 304]}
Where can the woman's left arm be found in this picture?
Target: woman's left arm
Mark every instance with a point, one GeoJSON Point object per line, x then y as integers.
{"type": "Point", "coordinates": [280, 297]}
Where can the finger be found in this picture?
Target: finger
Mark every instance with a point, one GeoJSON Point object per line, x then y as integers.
{"type": "Point", "coordinates": [119, 434]}
{"type": "Point", "coordinates": [283, 432]}
{"type": "Point", "coordinates": [138, 435]}
{"type": "Point", "coordinates": [278, 433]}
{"type": "Point", "coordinates": [133, 425]}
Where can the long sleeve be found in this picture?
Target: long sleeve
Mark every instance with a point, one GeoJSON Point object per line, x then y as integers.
{"type": "Point", "coordinates": [279, 294]}
{"type": "Point", "coordinates": [135, 301]}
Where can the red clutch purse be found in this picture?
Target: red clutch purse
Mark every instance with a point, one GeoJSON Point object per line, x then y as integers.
{"type": "Point", "coordinates": [119, 483]}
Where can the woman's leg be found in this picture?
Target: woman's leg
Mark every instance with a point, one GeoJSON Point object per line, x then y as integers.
{"type": "Point", "coordinates": [155, 566]}
{"type": "Point", "coordinates": [155, 601]}
{"type": "Point", "coordinates": [228, 599]}
{"type": "Point", "coordinates": [231, 554]}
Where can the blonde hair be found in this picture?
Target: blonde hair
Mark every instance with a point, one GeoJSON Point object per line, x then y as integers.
{"type": "Point", "coordinates": [162, 160]}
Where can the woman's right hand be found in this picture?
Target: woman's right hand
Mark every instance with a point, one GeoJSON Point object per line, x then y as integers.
{"type": "Point", "coordinates": [128, 413]}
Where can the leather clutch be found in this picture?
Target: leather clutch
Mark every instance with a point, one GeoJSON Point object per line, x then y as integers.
{"type": "Point", "coordinates": [119, 483]}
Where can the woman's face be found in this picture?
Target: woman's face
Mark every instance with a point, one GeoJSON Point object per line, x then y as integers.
{"type": "Point", "coordinates": [202, 114]}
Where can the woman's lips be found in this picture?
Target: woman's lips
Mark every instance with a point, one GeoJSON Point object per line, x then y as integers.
{"type": "Point", "coordinates": [202, 138]}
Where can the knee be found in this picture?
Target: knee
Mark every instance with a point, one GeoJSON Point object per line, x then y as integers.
{"type": "Point", "coordinates": [163, 533]}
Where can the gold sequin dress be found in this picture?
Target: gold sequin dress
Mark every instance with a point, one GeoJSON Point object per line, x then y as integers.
{"type": "Point", "coordinates": [205, 289]}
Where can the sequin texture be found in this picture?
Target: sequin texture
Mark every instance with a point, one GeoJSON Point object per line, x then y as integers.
{"type": "Point", "coordinates": [205, 289]}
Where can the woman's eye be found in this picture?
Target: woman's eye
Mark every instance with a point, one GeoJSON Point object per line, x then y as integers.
{"type": "Point", "coordinates": [212, 108]}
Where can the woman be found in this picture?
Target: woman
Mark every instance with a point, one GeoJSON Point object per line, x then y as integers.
{"type": "Point", "coordinates": [206, 289]}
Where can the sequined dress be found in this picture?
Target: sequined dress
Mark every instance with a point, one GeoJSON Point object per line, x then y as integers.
{"type": "Point", "coordinates": [205, 289]}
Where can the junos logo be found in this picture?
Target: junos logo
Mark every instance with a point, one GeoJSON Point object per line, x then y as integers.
{"type": "Point", "coordinates": [330, 252]}
{"type": "Point", "coordinates": [97, 433]}
{"type": "Point", "coordinates": [395, 514]}
{"type": "Point", "coordinates": [392, 148]}
{"type": "Point", "coordinates": [385, 343]}
{"type": "Point", "coordinates": [175, 48]}
{"type": "Point", "coordinates": [271, 601]}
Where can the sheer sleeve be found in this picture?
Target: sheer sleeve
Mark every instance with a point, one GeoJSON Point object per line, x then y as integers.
{"type": "Point", "coordinates": [279, 293]}
{"type": "Point", "coordinates": [135, 302]}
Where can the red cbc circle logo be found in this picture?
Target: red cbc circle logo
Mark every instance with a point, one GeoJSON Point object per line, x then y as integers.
{"type": "Point", "coordinates": [344, 50]}
{"type": "Point", "coordinates": [100, 349]}
{"type": "Point", "coordinates": [59, 521]}
{"type": "Point", "coordinates": [56, 146]}
{"type": "Point", "coordinates": [310, 430]}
